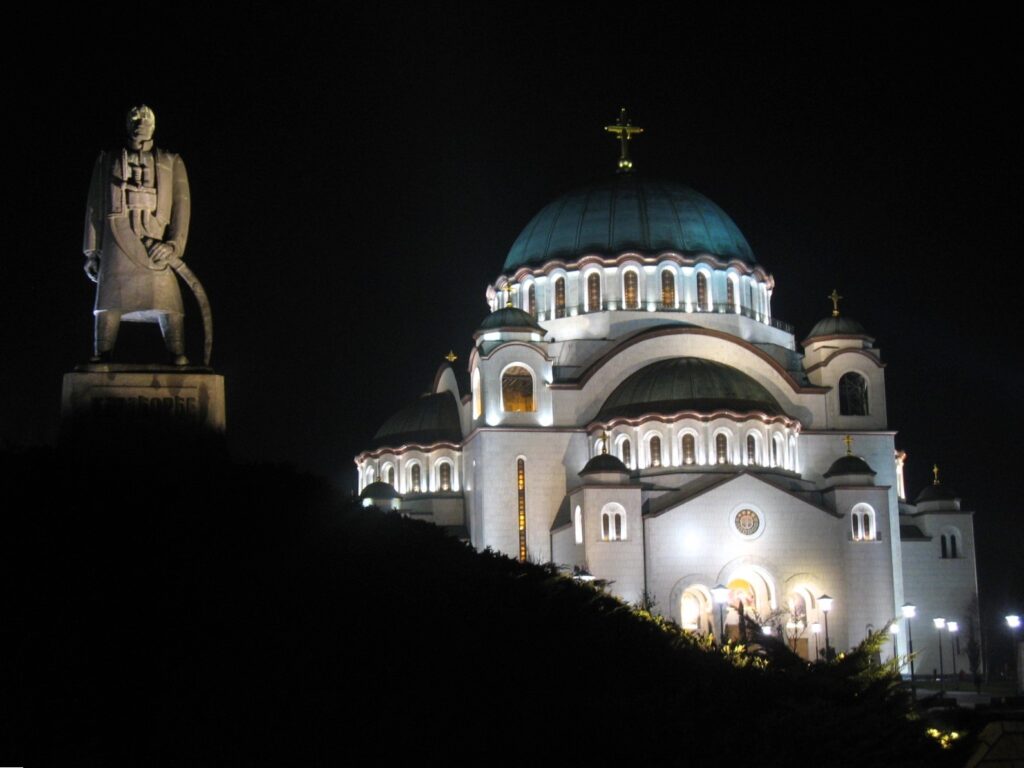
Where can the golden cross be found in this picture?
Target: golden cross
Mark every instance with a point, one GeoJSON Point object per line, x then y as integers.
{"type": "Point", "coordinates": [835, 302]}
{"type": "Point", "coordinates": [451, 357]}
{"type": "Point", "coordinates": [604, 441]}
{"type": "Point", "coordinates": [849, 442]}
{"type": "Point", "coordinates": [624, 131]}
{"type": "Point", "coordinates": [509, 287]}
{"type": "Point", "coordinates": [935, 472]}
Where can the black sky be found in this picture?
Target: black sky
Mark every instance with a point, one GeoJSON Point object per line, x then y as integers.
{"type": "Point", "coordinates": [358, 179]}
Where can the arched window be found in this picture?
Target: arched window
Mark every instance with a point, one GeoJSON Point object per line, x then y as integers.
{"type": "Point", "coordinates": [613, 523]}
{"type": "Point", "coordinates": [444, 476]}
{"type": "Point", "coordinates": [721, 448]}
{"type": "Point", "coordinates": [389, 475]}
{"type": "Point", "coordinates": [478, 396]}
{"type": "Point", "coordinates": [868, 533]}
{"type": "Point", "coordinates": [950, 540]}
{"type": "Point", "coordinates": [531, 300]}
{"type": "Point", "coordinates": [853, 395]}
{"type": "Point", "coordinates": [751, 450]}
{"type": "Point", "coordinates": [855, 523]}
{"type": "Point", "coordinates": [702, 291]}
{"type": "Point", "coordinates": [945, 550]}
{"type": "Point", "coordinates": [626, 450]}
{"type": "Point", "coordinates": [369, 476]}
{"type": "Point", "coordinates": [594, 292]}
{"type": "Point", "coordinates": [521, 488]}
{"type": "Point", "coordinates": [560, 297]}
{"type": "Point", "coordinates": [776, 451]}
{"type": "Point", "coordinates": [517, 390]}
{"type": "Point", "coordinates": [750, 298]}
{"type": "Point", "coordinates": [952, 545]}
{"type": "Point", "coordinates": [862, 518]}
{"type": "Point", "coordinates": [668, 289]}
{"type": "Point", "coordinates": [578, 524]}
{"type": "Point", "coordinates": [414, 478]}
{"type": "Point", "coordinates": [730, 291]}
{"type": "Point", "coordinates": [654, 448]}
{"type": "Point", "coordinates": [631, 289]}
{"type": "Point", "coordinates": [689, 449]}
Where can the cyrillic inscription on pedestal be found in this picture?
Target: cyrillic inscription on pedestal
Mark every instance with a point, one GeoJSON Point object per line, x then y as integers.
{"type": "Point", "coordinates": [120, 395]}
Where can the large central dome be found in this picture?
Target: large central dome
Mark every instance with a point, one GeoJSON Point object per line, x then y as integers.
{"type": "Point", "coordinates": [628, 213]}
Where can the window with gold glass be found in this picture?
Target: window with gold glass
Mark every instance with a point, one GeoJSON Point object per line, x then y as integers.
{"type": "Point", "coordinates": [415, 478]}
{"type": "Point", "coordinates": [517, 390]}
{"type": "Point", "coordinates": [531, 300]}
{"type": "Point", "coordinates": [654, 446]}
{"type": "Point", "coordinates": [689, 449]}
{"type": "Point", "coordinates": [521, 488]}
{"type": "Point", "coordinates": [593, 292]}
{"type": "Point", "coordinates": [560, 297]}
{"type": "Point", "coordinates": [668, 289]}
{"type": "Point", "coordinates": [702, 291]}
{"type": "Point", "coordinates": [721, 449]}
{"type": "Point", "coordinates": [631, 289]}
{"type": "Point", "coordinates": [445, 477]}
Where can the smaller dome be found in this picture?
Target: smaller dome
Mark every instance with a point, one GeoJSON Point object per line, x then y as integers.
{"type": "Point", "coordinates": [380, 490]}
{"type": "Point", "coordinates": [850, 465]}
{"type": "Point", "coordinates": [836, 326]}
{"type": "Point", "coordinates": [510, 319]}
{"type": "Point", "coordinates": [604, 462]}
{"type": "Point", "coordinates": [936, 493]}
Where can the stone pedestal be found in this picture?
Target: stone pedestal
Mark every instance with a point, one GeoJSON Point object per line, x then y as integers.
{"type": "Point", "coordinates": [131, 406]}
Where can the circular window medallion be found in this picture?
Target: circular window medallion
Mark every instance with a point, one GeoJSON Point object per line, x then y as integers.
{"type": "Point", "coordinates": [747, 522]}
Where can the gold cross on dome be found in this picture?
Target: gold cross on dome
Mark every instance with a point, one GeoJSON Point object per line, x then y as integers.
{"type": "Point", "coordinates": [849, 445]}
{"type": "Point", "coordinates": [604, 441]}
{"type": "Point", "coordinates": [935, 473]}
{"type": "Point", "coordinates": [509, 287]}
{"type": "Point", "coordinates": [624, 131]}
{"type": "Point", "coordinates": [835, 302]}
{"type": "Point", "coordinates": [451, 357]}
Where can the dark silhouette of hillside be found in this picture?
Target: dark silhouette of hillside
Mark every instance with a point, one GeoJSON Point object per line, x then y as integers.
{"type": "Point", "coordinates": [163, 611]}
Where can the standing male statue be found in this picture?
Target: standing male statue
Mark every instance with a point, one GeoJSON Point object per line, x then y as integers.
{"type": "Point", "coordinates": [136, 226]}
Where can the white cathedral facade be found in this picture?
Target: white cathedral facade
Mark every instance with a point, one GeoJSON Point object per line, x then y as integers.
{"type": "Point", "coordinates": [631, 410]}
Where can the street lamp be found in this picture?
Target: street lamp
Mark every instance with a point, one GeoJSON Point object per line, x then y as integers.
{"type": "Point", "coordinates": [1013, 622]}
{"type": "Point", "coordinates": [953, 628]}
{"type": "Point", "coordinates": [894, 630]}
{"type": "Point", "coordinates": [720, 594]}
{"type": "Point", "coordinates": [909, 611]}
{"type": "Point", "coordinates": [826, 605]}
{"type": "Point", "coordinates": [816, 630]}
{"type": "Point", "coordinates": [939, 624]}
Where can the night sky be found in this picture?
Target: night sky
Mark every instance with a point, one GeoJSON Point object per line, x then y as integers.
{"type": "Point", "coordinates": [357, 181]}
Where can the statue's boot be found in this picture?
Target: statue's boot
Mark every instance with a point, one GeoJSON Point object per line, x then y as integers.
{"type": "Point", "coordinates": [108, 322]}
{"type": "Point", "coordinates": [172, 326]}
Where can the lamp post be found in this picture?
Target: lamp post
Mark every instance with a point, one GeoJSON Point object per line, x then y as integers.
{"type": "Point", "coordinates": [816, 630]}
{"type": "Point", "coordinates": [909, 611]}
{"type": "Point", "coordinates": [894, 630]}
{"type": "Point", "coordinates": [953, 628]}
{"type": "Point", "coordinates": [1013, 622]}
{"type": "Point", "coordinates": [720, 594]}
{"type": "Point", "coordinates": [826, 605]}
{"type": "Point", "coordinates": [939, 623]}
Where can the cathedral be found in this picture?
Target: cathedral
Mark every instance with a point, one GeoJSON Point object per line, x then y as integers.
{"type": "Point", "coordinates": [632, 412]}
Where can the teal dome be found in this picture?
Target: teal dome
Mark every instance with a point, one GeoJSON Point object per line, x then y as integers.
{"type": "Point", "coordinates": [837, 326]}
{"type": "Point", "coordinates": [688, 384]}
{"type": "Point", "coordinates": [628, 213]}
{"type": "Point", "coordinates": [510, 319]}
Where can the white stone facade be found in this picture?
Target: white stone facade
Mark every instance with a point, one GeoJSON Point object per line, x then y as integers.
{"type": "Point", "coordinates": [751, 492]}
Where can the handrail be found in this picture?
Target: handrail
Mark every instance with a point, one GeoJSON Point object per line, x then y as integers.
{"type": "Point", "coordinates": [714, 309]}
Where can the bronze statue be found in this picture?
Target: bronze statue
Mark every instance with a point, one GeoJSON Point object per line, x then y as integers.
{"type": "Point", "coordinates": [136, 227]}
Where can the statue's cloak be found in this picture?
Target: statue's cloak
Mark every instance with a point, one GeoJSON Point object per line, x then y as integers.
{"type": "Point", "coordinates": [128, 281]}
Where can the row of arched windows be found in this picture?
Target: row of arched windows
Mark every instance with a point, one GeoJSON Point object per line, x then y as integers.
{"type": "Point", "coordinates": [674, 290]}
{"type": "Point", "coordinates": [721, 451]}
{"type": "Point", "coordinates": [949, 543]}
{"type": "Point", "coordinates": [413, 479]}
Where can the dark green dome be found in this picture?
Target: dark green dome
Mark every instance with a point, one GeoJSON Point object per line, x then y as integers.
{"type": "Point", "coordinates": [936, 493]}
{"type": "Point", "coordinates": [837, 326]}
{"type": "Point", "coordinates": [510, 318]}
{"type": "Point", "coordinates": [604, 462]}
{"type": "Point", "coordinates": [380, 490]}
{"type": "Point", "coordinates": [688, 384]}
{"type": "Point", "coordinates": [628, 213]}
{"type": "Point", "coordinates": [850, 465]}
{"type": "Point", "coordinates": [431, 419]}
